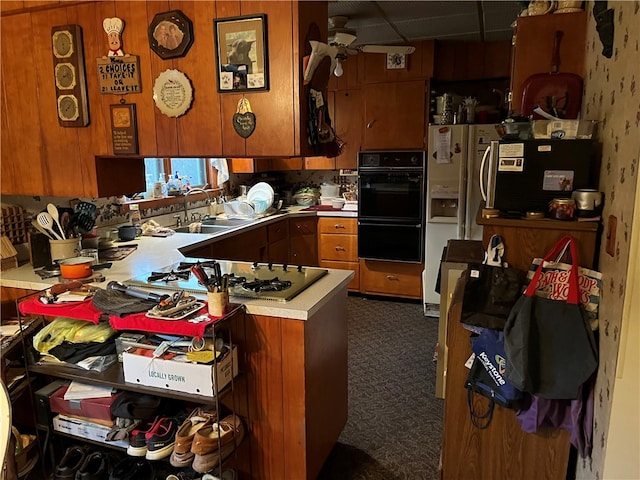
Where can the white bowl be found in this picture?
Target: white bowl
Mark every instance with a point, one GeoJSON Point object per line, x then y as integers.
{"type": "Point", "coordinates": [337, 202]}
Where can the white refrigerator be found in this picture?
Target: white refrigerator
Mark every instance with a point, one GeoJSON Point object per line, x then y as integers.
{"type": "Point", "coordinates": [453, 193]}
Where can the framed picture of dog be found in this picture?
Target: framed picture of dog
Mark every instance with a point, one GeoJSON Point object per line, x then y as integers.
{"type": "Point", "coordinates": [241, 53]}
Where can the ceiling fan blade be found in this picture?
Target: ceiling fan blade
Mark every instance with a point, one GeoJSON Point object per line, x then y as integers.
{"type": "Point", "coordinates": [341, 38]}
{"type": "Point", "coordinates": [387, 49]}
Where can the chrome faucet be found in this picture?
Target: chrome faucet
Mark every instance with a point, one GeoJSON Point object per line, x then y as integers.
{"type": "Point", "coordinates": [186, 209]}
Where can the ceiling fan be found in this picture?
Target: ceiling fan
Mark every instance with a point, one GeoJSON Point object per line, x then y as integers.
{"type": "Point", "coordinates": [340, 43]}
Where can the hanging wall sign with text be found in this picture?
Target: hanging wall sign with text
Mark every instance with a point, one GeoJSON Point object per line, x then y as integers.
{"type": "Point", "coordinates": [124, 129]}
{"type": "Point", "coordinates": [119, 75]}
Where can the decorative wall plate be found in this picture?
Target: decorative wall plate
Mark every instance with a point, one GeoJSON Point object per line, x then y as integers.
{"type": "Point", "coordinates": [170, 34]}
{"type": "Point", "coordinates": [172, 93]}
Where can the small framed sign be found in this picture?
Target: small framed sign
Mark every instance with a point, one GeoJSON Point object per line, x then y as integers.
{"type": "Point", "coordinates": [119, 75]}
{"type": "Point", "coordinates": [124, 129]}
{"type": "Point", "coordinates": [241, 56]}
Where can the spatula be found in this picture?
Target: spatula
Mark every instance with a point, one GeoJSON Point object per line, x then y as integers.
{"type": "Point", "coordinates": [53, 211]}
{"type": "Point", "coordinates": [46, 222]}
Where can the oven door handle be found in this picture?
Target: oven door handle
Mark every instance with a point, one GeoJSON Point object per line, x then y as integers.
{"type": "Point", "coordinates": [412, 225]}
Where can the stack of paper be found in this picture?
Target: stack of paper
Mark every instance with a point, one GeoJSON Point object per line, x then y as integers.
{"type": "Point", "coordinates": [81, 391]}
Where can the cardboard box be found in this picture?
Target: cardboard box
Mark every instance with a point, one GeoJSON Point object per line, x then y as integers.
{"type": "Point", "coordinates": [91, 431]}
{"type": "Point", "coordinates": [179, 376]}
{"type": "Point", "coordinates": [99, 408]}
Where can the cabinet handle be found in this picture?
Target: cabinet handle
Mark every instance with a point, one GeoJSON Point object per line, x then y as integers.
{"type": "Point", "coordinates": [392, 277]}
{"type": "Point", "coordinates": [340, 249]}
{"type": "Point", "coordinates": [370, 124]}
{"type": "Point", "coordinates": [337, 225]}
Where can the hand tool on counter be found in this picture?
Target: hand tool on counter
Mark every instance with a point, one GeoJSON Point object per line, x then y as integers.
{"type": "Point", "coordinates": [134, 292]}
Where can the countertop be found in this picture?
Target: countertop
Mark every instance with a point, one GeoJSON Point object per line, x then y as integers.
{"type": "Point", "coordinates": [153, 253]}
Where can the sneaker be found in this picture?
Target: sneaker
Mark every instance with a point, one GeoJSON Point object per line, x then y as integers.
{"type": "Point", "coordinates": [137, 439]}
{"type": "Point", "coordinates": [212, 445]}
{"type": "Point", "coordinates": [70, 463]}
{"type": "Point", "coordinates": [132, 468]}
{"type": "Point", "coordinates": [161, 438]}
{"type": "Point", "coordinates": [94, 467]}
{"type": "Point", "coordinates": [200, 418]}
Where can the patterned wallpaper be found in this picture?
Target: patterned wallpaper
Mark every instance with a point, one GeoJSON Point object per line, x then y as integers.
{"type": "Point", "coordinates": [612, 95]}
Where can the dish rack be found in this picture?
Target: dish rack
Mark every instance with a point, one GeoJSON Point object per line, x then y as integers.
{"type": "Point", "coordinates": [239, 209]}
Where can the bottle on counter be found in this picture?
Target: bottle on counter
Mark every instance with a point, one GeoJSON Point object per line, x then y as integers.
{"type": "Point", "coordinates": [136, 218]}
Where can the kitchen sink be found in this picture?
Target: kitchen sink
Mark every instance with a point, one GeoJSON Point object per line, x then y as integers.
{"type": "Point", "coordinates": [216, 225]}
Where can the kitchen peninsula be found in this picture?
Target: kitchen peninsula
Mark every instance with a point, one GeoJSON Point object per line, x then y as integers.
{"type": "Point", "coordinates": [295, 357]}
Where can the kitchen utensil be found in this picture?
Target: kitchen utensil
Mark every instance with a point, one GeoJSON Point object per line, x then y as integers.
{"type": "Point", "coordinates": [65, 219]}
{"type": "Point", "coordinates": [559, 94]}
{"type": "Point", "coordinates": [77, 267]}
{"type": "Point", "coordinates": [53, 211]}
{"type": "Point", "coordinates": [86, 208]}
{"type": "Point", "coordinates": [134, 292]}
{"type": "Point", "coordinates": [39, 228]}
{"type": "Point", "coordinates": [46, 222]}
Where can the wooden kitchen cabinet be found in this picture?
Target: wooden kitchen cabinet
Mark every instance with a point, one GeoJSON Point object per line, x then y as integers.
{"type": "Point", "coordinates": [278, 239]}
{"type": "Point", "coordinates": [303, 241]}
{"type": "Point", "coordinates": [338, 246]}
{"type": "Point", "coordinates": [533, 48]}
{"type": "Point", "coordinates": [348, 117]}
{"type": "Point", "coordinates": [393, 279]}
{"type": "Point", "coordinates": [395, 115]}
{"type": "Point", "coordinates": [455, 61]}
{"type": "Point", "coordinates": [504, 450]}
{"type": "Point", "coordinates": [249, 165]}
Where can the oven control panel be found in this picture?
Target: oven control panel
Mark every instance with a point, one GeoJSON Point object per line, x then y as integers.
{"type": "Point", "coordinates": [387, 159]}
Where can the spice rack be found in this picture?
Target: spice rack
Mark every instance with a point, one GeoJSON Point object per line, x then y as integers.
{"type": "Point", "coordinates": [14, 223]}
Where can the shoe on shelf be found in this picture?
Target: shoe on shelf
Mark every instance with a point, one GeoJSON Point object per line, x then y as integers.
{"type": "Point", "coordinates": [212, 445]}
{"type": "Point", "coordinates": [132, 468]}
{"type": "Point", "coordinates": [182, 455]}
{"type": "Point", "coordinates": [226, 475]}
{"type": "Point", "coordinates": [161, 438]}
{"type": "Point", "coordinates": [70, 463]}
{"type": "Point", "coordinates": [137, 439]}
{"type": "Point", "coordinates": [94, 467]}
{"type": "Point", "coordinates": [26, 452]}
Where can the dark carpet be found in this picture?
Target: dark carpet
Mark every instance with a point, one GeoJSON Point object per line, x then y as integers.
{"type": "Point", "coordinates": [394, 429]}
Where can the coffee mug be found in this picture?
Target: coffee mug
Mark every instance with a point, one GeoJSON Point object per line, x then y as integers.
{"type": "Point", "coordinates": [127, 232]}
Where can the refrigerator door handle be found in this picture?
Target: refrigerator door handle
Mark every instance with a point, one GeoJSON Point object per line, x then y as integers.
{"type": "Point", "coordinates": [483, 191]}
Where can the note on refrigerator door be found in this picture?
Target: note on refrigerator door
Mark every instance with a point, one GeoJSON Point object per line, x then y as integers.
{"type": "Point", "coordinates": [443, 145]}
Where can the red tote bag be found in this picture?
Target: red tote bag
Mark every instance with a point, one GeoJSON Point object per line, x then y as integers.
{"type": "Point", "coordinates": [549, 343]}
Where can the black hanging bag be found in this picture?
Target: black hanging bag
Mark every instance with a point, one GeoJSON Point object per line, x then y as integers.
{"type": "Point", "coordinates": [549, 343]}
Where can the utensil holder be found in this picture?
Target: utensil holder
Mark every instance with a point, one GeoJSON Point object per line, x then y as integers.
{"type": "Point", "coordinates": [217, 303]}
{"type": "Point", "coordinates": [61, 249]}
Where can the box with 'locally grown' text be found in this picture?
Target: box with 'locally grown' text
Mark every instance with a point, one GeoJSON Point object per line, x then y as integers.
{"type": "Point", "coordinates": [184, 377]}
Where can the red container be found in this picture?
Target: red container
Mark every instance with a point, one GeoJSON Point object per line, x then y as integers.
{"type": "Point", "coordinates": [98, 408]}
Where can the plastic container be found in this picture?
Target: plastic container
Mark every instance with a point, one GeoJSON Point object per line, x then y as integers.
{"type": "Point", "coordinates": [330, 190]}
{"type": "Point", "coordinates": [326, 200]}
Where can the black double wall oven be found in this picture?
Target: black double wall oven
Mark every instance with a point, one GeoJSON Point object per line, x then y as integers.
{"type": "Point", "coordinates": [391, 205]}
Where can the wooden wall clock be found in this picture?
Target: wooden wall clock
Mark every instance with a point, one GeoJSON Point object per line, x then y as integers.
{"type": "Point", "coordinates": [69, 75]}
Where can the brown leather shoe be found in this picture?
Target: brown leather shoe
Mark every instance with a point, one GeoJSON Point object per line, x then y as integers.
{"type": "Point", "coordinates": [213, 444]}
{"type": "Point", "coordinates": [199, 419]}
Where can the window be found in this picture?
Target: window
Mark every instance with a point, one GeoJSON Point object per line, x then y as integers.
{"type": "Point", "coordinates": [198, 171]}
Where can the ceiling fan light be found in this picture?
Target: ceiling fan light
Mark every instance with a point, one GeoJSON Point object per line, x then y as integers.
{"type": "Point", "coordinates": [338, 70]}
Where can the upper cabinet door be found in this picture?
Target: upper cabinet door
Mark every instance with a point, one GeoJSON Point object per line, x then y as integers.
{"type": "Point", "coordinates": [533, 50]}
{"type": "Point", "coordinates": [394, 115]}
{"type": "Point", "coordinates": [348, 120]}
